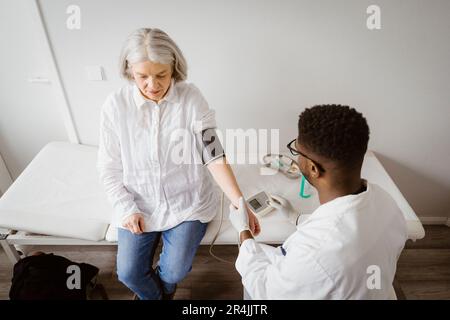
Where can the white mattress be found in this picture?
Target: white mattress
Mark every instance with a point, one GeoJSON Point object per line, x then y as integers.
{"type": "Point", "coordinates": [374, 172]}
{"type": "Point", "coordinates": [59, 194]}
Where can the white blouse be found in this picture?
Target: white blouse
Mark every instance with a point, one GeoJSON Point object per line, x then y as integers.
{"type": "Point", "coordinates": [139, 162]}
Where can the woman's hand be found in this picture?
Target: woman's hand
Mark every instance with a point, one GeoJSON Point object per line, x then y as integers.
{"type": "Point", "coordinates": [242, 218]}
{"type": "Point", "coordinates": [253, 222]}
{"type": "Point", "coordinates": [135, 223]}
{"type": "Point", "coordinates": [223, 175]}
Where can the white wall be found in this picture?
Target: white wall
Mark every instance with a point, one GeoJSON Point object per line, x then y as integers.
{"type": "Point", "coordinates": [260, 63]}
{"type": "Point", "coordinates": [29, 115]}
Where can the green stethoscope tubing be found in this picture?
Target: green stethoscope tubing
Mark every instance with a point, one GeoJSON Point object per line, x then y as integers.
{"type": "Point", "coordinates": [302, 188]}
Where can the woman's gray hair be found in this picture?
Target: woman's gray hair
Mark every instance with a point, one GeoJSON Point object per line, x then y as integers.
{"type": "Point", "coordinates": [155, 45]}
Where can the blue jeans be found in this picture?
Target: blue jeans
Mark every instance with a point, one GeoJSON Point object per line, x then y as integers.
{"type": "Point", "coordinates": [135, 257]}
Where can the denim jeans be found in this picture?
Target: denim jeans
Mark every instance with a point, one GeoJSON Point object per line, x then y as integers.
{"type": "Point", "coordinates": [135, 257]}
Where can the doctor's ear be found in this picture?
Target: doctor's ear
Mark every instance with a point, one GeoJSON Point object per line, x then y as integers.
{"type": "Point", "coordinates": [314, 170]}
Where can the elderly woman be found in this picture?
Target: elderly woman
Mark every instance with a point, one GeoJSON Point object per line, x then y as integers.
{"type": "Point", "coordinates": [153, 194]}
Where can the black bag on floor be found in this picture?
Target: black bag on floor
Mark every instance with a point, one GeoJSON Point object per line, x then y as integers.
{"type": "Point", "coordinates": [51, 277]}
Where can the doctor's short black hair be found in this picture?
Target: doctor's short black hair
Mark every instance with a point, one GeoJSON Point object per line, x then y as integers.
{"type": "Point", "coordinates": [336, 132]}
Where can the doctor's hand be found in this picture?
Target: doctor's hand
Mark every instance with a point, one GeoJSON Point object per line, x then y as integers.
{"type": "Point", "coordinates": [135, 223]}
{"type": "Point", "coordinates": [242, 219]}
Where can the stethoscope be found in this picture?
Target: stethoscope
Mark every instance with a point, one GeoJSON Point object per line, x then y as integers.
{"type": "Point", "coordinates": [302, 193]}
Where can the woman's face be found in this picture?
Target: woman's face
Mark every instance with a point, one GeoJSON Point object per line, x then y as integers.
{"type": "Point", "coordinates": [153, 79]}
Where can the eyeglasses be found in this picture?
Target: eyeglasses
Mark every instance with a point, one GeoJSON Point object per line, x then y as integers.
{"type": "Point", "coordinates": [295, 152]}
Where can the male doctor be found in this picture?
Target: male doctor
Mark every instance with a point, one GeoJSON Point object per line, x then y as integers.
{"type": "Point", "coordinates": [349, 247]}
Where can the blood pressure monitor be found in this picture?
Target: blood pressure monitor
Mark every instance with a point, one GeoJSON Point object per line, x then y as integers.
{"type": "Point", "coordinates": [262, 203]}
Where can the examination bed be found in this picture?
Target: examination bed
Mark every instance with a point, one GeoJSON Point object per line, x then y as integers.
{"type": "Point", "coordinates": [58, 200]}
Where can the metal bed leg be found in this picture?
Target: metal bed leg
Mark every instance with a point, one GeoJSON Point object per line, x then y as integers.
{"type": "Point", "coordinates": [10, 250]}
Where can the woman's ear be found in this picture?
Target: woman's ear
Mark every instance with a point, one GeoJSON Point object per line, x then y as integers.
{"type": "Point", "coordinates": [130, 73]}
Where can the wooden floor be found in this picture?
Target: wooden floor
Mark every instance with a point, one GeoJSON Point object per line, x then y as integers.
{"type": "Point", "coordinates": [209, 278]}
{"type": "Point", "coordinates": [423, 270]}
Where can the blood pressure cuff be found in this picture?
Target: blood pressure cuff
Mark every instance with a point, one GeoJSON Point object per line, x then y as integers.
{"type": "Point", "coordinates": [209, 146]}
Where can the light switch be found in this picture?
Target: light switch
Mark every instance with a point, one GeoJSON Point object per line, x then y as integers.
{"type": "Point", "coordinates": [94, 73]}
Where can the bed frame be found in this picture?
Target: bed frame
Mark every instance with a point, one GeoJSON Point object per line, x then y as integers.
{"type": "Point", "coordinates": [12, 241]}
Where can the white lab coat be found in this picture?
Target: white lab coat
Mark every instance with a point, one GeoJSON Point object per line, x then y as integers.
{"type": "Point", "coordinates": [347, 249]}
